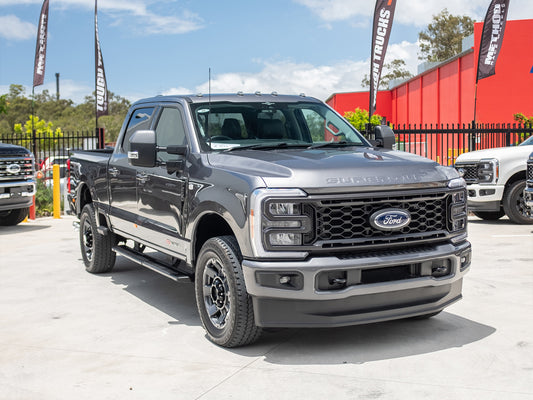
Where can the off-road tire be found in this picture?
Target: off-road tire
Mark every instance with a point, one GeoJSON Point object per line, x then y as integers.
{"type": "Point", "coordinates": [225, 308]}
{"type": "Point", "coordinates": [489, 215]}
{"type": "Point", "coordinates": [96, 249]}
{"type": "Point", "coordinates": [13, 217]}
{"type": "Point", "coordinates": [514, 204]}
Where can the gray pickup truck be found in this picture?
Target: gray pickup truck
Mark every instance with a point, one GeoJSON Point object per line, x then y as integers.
{"type": "Point", "coordinates": [278, 209]}
{"type": "Point", "coordinates": [17, 183]}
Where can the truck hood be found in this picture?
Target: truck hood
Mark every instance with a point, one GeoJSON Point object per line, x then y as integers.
{"type": "Point", "coordinates": [500, 153]}
{"type": "Point", "coordinates": [327, 169]}
{"type": "Point", "coordinates": [8, 150]}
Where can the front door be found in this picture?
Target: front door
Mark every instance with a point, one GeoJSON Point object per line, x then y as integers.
{"type": "Point", "coordinates": [160, 192]}
{"type": "Point", "coordinates": [123, 177]}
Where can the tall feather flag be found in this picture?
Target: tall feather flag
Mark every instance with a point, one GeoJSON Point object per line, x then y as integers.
{"type": "Point", "coordinates": [100, 79]}
{"type": "Point", "coordinates": [383, 18]}
{"type": "Point", "coordinates": [40, 48]}
{"type": "Point", "coordinates": [492, 38]}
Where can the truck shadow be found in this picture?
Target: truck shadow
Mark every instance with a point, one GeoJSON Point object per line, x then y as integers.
{"type": "Point", "coordinates": [346, 345]}
{"type": "Point", "coordinates": [9, 230]}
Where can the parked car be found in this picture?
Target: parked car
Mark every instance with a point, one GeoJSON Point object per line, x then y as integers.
{"type": "Point", "coordinates": [528, 192]}
{"type": "Point", "coordinates": [496, 180]}
{"type": "Point", "coordinates": [17, 183]}
{"type": "Point", "coordinates": [47, 169]}
{"type": "Point", "coordinates": [280, 211]}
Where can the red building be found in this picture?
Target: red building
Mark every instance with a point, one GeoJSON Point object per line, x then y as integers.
{"type": "Point", "coordinates": [445, 94]}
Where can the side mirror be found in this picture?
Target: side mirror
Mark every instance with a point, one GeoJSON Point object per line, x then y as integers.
{"type": "Point", "coordinates": [143, 149]}
{"type": "Point", "coordinates": [384, 137]}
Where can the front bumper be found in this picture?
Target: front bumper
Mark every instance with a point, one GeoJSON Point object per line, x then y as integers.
{"type": "Point", "coordinates": [485, 197]}
{"type": "Point", "coordinates": [306, 305]}
{"type": "Point", "coordinates": [15, 195]}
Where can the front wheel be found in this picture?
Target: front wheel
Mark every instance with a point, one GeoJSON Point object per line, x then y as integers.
{"type": "Point", "coordinates": [224, 306]}
{"type": "Point", "coordinates": [13, 217]}
{"type": "Point", "coordinates": [96, 249]}
{"type": "Point", "coordinates": [514, 204]}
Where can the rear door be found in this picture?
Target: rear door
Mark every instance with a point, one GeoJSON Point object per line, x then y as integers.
{"type": "Point", "coordinates": [160, 193]}
{"type": "Point", "coordinates": [122, 176]}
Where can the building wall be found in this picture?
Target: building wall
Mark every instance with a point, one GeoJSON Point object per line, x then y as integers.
{"type": "Point", "coordinates": [446, 93]}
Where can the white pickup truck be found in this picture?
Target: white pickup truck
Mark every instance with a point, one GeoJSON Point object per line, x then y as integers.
{"type": "Point", "coordinates": [496, 180]}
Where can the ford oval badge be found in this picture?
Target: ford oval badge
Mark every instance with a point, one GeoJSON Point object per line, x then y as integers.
{"type": "Point", "coordinates": [390, 219]}
{"type": "Point", "coordinates": [13, 168]}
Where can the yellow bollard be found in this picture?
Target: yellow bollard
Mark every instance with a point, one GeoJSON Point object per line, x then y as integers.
{"type": "Point", "coordinates": [57, 192]}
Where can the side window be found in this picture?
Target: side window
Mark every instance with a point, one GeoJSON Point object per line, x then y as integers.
{"type": "Point", "coordinates": [140, 120]}
{"type": "Point", "coordinates": [170, 130]}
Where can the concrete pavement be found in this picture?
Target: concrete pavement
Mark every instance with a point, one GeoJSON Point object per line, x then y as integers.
{"type": "Point", "coordinates": [133, 334]}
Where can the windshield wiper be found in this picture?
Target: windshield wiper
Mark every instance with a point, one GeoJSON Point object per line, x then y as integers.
{"type": "Point", "coordinates": [342, 143]}
{"type": "Point", "coordinates": [265, 146]}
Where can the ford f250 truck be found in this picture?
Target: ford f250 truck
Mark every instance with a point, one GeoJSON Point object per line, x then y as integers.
{"type": "Point", "coordinates": [279, 210]}
{"type": "Point", "coordinates": [17, 183]}
{"type": "Point", "coordinates": [496, 180]}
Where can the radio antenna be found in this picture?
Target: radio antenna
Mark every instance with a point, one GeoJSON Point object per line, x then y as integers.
{"type": "Point", "coordinates": [209, 108]}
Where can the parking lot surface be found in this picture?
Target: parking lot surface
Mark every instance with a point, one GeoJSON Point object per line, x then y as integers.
{"type": "Point", "coordinates": [133, 334]}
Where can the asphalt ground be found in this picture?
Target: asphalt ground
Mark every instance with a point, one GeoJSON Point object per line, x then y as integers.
{"type": "Point", "coordinates": [133, 334]}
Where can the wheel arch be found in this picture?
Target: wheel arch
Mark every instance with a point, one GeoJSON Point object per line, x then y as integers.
{"type": "Point", "coordinates": [208, 226]}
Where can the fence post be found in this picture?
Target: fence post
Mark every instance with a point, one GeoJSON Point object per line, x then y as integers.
{"type": "Point", "coordinates": [101, 138]}
{"type": "Point", "coordinates": [472, 137]}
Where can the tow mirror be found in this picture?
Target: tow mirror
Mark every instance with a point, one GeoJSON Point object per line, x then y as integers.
{"type": "Point", "coordinates": [143, 149]}
{"type": "Point", "coordinates": [384, 137]}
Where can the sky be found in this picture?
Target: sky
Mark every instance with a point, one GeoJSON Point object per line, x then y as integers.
{"type": "Point", "coordinates": [153, 47]}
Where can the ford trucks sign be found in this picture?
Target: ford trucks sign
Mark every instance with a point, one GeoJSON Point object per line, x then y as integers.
{"type": "Point", "coordinates": [390, 219]}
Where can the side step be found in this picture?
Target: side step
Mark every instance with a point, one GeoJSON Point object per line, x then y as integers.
{"type": "Point", "coordinates": [151, 263]}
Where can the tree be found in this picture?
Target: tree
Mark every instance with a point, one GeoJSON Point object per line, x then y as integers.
{"type": "Point", "coordinates": [359, 119]}
{"type": "Point", "coordinates": [43, 130]}
{"type": "Point", "coordinates": [3, 104]}
{"type": "Point", "coordinates": [444, 36]}
{"type": "Point", "coordinates": [396, 69]}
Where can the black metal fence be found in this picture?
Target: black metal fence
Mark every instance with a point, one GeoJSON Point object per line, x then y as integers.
{"type": "Point", "coordinates": [445, 143]}
{"type": "Point", "coordinates": [58, 146]}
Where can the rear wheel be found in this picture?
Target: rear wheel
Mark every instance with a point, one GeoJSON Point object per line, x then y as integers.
{"type": "Point", "coordinates": [514, 204]}
{"type": "Point", "coordinates": [13, 217]}
{"type": "Point", "coordinates": [224, 306]}
{"type": "Point", "coordinates": [96, 249]}
{"type": "Point", "coordinates": [489, 215]}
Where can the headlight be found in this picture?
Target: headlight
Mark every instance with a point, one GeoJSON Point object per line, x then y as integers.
{"type": "Point", "coordinates": [457, 210]}
{"type": "Point", "coordinates": [279, 221]}
{"type": "Point", "coordinates": [488, 171]}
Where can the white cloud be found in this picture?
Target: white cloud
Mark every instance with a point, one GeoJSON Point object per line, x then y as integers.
{"type": "Point", "coordinates": [139, 14]}
{"type": "Point", "coordinates": [411, 12]}
{"type": "Point", "coordinates": [13, 28]}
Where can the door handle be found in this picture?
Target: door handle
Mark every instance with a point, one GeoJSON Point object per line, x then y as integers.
{"type": "Point", "coordinates": [114, 172]}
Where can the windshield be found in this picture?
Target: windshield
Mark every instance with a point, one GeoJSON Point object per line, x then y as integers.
{"type": "Point", "coordinates": [527, 142]}
{"type": "Point", "coordinates": [229, 126]}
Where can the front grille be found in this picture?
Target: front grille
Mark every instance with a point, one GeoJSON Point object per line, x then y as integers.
{"type": "Point", "coordinates": [25, 166]}
{"type": "Point", "coordinates": [345, 222]}
{"type": "Point", "coordinates": [530, 171]}
{"type": "Point", "coordinates": [469, 172]}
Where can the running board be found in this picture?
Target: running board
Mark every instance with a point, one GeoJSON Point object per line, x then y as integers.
{"type": "Point", "coordinates": [152, 264]}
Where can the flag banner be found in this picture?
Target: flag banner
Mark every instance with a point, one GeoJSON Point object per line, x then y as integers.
{"type": "Point", "coordinates": [492, 38]}
{"type": "Point", "coordinates": [100, 80]}
{"type": "Point", "coordinates": [40, 48]}
{"type": "Point", "coordinates": [383, 18]}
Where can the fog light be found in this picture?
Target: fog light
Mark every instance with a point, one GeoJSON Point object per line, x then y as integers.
{"type": "Point", "coordinates": [284, 279]}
